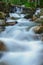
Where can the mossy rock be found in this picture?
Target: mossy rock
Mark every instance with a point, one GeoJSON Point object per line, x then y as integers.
{"type": "Point", "coordinates": [2, 21]}
{"type": "Point", "coordinates": [13, 18]}
{"type": "Point", "coordinates": [2, 15]}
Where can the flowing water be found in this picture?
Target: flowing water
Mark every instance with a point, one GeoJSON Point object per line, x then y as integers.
{"type": "Point", "coordinates": [24, 46]}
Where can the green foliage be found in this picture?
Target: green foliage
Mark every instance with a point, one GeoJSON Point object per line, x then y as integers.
{"type": "Point", "coordinates": [29, 4]}
{"type": "Point", "coordinates": [41, 3]}
{"type": "Point", "coordinates": [25, 2]}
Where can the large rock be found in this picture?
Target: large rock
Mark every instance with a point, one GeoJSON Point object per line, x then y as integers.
{"type": "Point", "coordinates": [38, 29]}
{"type": "Point", "coordinates": [41, 12]}
{"type": "Point", "coordinates": [39, 20]}
{"type": "Point", "coordinates": [2, 28]}
{"type": "Point", "coordinates": [34, 18]}
{"type": "Point", "coordinates": [3, 63]}
{"type": "Point", "coordinates": [28, 16]}
{"type": "Point", "coordinates": [2, 21]}
{"type": "Point", "coordinates": [2, 46]}
{"type": "Point", "coordinates": [27, 10]}
{"type": "Point", "coordinates": [2, 15]}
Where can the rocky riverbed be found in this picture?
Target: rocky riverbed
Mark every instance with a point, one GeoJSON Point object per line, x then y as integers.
{"type": "Point", "coordinates": [20, 44]}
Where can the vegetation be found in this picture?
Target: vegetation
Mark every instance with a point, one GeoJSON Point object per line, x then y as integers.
{"type": "Point", "coordinates": [27, 3]}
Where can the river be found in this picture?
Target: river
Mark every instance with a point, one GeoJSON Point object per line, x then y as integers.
{"type": "Point", "coordinates": [23, 44]}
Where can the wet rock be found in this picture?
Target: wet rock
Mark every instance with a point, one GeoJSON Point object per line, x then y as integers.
{"type": "Point", "coordinates": [3, 46]}
{"type": "Point", "coordinates": [2, 28]}
{"type": "Point", "coordinates": [11, 23]}
{"type": "Point", "coordinates": [28, 16]}
{"type": "Point", "coordinates": [27, 10]}
{"type": "Point", "coordinates": [13, 18]}
{"type": "Point", "coordinates": [1, 55]}
{"type": "Point", "coordinates": [2, 15]}
{"type": "Point", "coordinates": [41, 36]}
{"type": "Point", "coordinates": [38, 29]}
{"type": "Point", "coordinates": [39, 20]}
{"type": "Point", "coordinates": [3, 63]}
{"type": "Point", "coordinates": [34, 18]}
{"type": "Point", "coordinates": [12, 9]}
{"type": "Point", "coordinates": [41, 12]}
{"type": "Point", "coordinates": [36, 14]}
{"type": "Point", "coordinates": [2, 22]}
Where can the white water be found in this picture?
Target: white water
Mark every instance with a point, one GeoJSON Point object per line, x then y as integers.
{"type": "Point", "coordinates": [37, 11]}
{"type": "Point", "coordinates": [22, 58]}
{"type": "Point", "coordinates": [24, 45]}
{"type": "Point", "coordinates": [16, 15]}
{"type": "Point", "coordinates": [19, 10]}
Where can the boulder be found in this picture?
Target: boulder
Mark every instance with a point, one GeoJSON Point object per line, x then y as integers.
{"type": "Point", "coordinates": [13, 18]}
{"type": "Point", "coordinates": [27, 10]}
{"type": "Point", "coordinates": [2, 22]}
{"type": "Point", "coordinates": [2, 15]}
{"type": "Point", "coordinates": [34, 18]}
{"type": "Point", "coordinates": [39, 20]}
{"type": "Point", "coordinates": [2, 28]}
{"type": "Point", "coordinates": [2, 46]}
{"type": "Point", "coordinates": [28, 16]}
{"type": "Point", "coordinates": [38, 29]}
{"type": "Point", "coordinates": [41, 12]}
{"type": "Point", "coordinates": [3, 63]}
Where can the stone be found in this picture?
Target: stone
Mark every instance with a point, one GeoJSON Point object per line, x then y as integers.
{"type": "Point", "coordinates": [2, 46]}
{"type": "Point", "coordinates": [38, 29]}
{"type": "Point", "coordinates": [41, 12]}
{"type": "Point", "coordinates": [2, 28]}
{"type": "Point", "coordinates": [2, 15]}
{"type": "Point", "coordinates": [2, 22]}
{"type": "Point", "coordinates": [27, 10]}
{"type": "Point", "coordinates": [41, 17]}
{"type": "Point", "coordinates": [28, 16]}
{"type": "Point", "coordinates": [13, 18]}
{"type": "Point", "coordinates": [3, 63]}
{"type": "Point", "coordinates": [34, 18]}
{"type": "Point", "coordinates": [39, 20]}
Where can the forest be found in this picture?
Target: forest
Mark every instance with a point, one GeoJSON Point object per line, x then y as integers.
{"type": "Point", "coordinates": [27, 3]}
